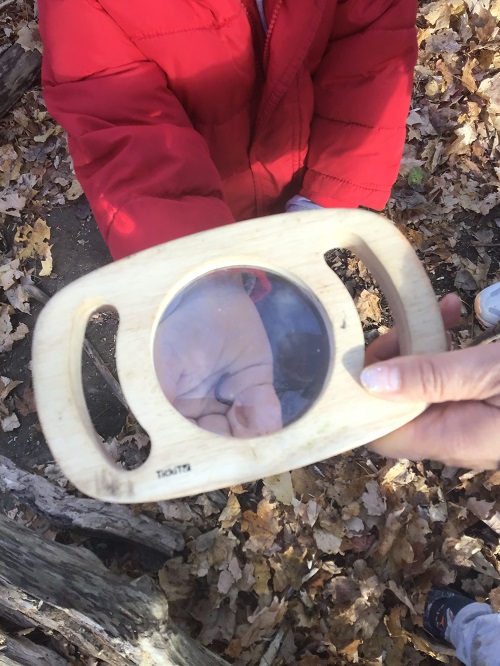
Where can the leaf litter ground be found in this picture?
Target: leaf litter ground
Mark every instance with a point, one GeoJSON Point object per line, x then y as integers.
{"type": "Point", "coordinates": [329, 564]}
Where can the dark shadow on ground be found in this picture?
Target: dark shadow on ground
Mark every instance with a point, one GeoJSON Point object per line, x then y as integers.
{"type": "Point", "coordinates": [78, 248]}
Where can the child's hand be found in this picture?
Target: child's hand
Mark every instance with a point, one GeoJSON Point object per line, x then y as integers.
{"type": "Point", "coordinates": [214, 347]}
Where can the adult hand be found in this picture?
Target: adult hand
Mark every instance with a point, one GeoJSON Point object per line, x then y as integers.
{"type": "Point", "coordinates": [462, 425]}
{"type": "Point", "coordinates": [214, 345]}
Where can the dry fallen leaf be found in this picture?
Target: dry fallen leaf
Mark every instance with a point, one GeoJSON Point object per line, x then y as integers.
{"type": "Point", "coordinates": [368, 305]}
{"type": "Point", "coordinates": [74, 192]}
{"type": "Point", "coordinates": [26, 405]}
{"type": "Point", "coordinates": [9, 334]}
{"type": "Point", "coordinates": [262, 526]}
{"type": "Point", "coordinates": [6, 386]}
{"type": "Point", "coordinates": [10, 274]}
{"type": "Point", "coordinates": [327, 542]}
{"type": "Point", "coordinates": [263, 622]}
{"type": "Point", "coordinates": [289, 569]}
{"type": "Point", "coordinates": [46, 263]}
{"type": "Point", "coordinates": [281, 487]}
{"type": "Point", "coordinates": [480, 508]}
{"type": "Point", "coordinates": [12, 203]}
{"type": "Point", "coordinates": [32, 242]}
{"type": "Point", "coordinates": [29, 37]}
{"type": "Point", "coordinates": [489, 88]}
{"type": "Point", "coordinates": [374, 503]}
{"type": "Point", "coordinates": [468, 77]}
{"type": "Point", "coordinates": [262, 576]}
{"type": "Point", "coordinates": [217, 623]}
{"type": "Point", "coordinates": [9, 423]}
{"type": "Point", "coordinates": [18, 298]}
{"type": "Point", "coordinates": [231, 513]}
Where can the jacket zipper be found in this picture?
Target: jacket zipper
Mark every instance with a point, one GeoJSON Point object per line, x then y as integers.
{"type": "Point", "coordinates": [272, 23]}
{"type": "Point", "coordinates": [255, 27]}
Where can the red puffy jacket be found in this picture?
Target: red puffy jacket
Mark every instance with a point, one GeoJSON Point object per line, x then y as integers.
{"type": "Point", "coordinates": [183, 115]}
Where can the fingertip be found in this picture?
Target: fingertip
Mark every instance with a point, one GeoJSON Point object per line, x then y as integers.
{"type": "Point", "coordinates": [451, 309]}
{"type": "Point", "coordinates": [385, 378]}
{"type": "Point", "coordinates": [453, 297]}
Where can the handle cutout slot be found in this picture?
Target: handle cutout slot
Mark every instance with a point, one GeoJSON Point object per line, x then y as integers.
{"type": "Point", "coordinates": [371, 303]}
{"type": "Point", "coordinates": [123, 439]}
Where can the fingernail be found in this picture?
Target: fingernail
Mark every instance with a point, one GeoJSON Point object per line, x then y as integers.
{"type": "Point", "coordinates": [381, 378]}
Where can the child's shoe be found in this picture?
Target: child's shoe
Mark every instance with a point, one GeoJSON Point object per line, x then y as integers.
{"type": "Point", "coordinates": [441, 606]}
{"type": "Point", "coordinates": [487, 305]}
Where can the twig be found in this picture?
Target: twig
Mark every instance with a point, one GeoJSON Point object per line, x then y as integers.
{"type": "Point", "coordinates": [490, 335]}
{"type": "Point", "coordinates": [105, 373]}
{"type": "Point", "coordinates": [76, 513]}
{"type": "Point", "coordinates": [92, 352]}
{"type": "Point", "coordinates": [4, 4]}
{"type": "Point", "coordinates": [478, 244]}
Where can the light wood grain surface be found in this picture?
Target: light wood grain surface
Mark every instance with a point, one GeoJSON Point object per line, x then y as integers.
{"type": "Point", "coordinates": [186, 459]}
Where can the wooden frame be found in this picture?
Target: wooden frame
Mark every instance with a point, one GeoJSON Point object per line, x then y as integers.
{"type": "Point", "coordinates": [186, 459]}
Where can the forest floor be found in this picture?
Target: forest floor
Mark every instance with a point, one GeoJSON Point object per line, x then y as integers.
{"type": "Point", "coordinates": [329, 564]}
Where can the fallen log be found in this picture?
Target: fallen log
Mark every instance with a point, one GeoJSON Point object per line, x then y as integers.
{"type": "Point", "coordinates": [67, 512]}
{"type": "Point", "coordinates": [67, 590]}
{"type": "Point", "coordinates": [22, 651]}
{"type": "Point", "coordinates": [19, 71]}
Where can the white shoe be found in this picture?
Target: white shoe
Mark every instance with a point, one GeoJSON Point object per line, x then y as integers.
{"type": "Point", "coordinates": [487, 305]}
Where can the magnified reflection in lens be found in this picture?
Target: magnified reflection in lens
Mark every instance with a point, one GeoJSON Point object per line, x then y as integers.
{"type": "Point", "coordinates": [241, 352]}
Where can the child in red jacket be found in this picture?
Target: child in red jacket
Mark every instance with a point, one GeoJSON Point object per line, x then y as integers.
{"type": "Point", "coordinates": [192, 114]}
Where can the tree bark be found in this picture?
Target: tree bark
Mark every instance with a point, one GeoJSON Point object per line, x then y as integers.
{"type": "Point", "coordinates": [68, 512]}
{"type": "Point", "coordinates": [67, 590]}
{"type": "Point", "coordinates": [19, 70]}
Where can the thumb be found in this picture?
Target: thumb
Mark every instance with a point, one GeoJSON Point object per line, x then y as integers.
{"type": "Point", "coordinates": [466, 374]}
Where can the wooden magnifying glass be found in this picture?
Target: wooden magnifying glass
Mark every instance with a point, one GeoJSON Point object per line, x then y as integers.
{"type": "Point", "coordinates": [186, 459]}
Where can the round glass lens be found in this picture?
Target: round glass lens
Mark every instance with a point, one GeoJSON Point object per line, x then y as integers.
{"type": "Point", "coordinates": [242, 352]}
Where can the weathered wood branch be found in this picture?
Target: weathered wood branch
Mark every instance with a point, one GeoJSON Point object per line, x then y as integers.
{"type": "Point", "coordinates": [22, 651]}
{"type": "Point", "coordinates": [68, 512]}
{"type": "Point", "coordinates": [19, 70]}
{"type": "Point", "coordinates": [68, 590]}
{"type": "Point", "coordinates": [101, 367]}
